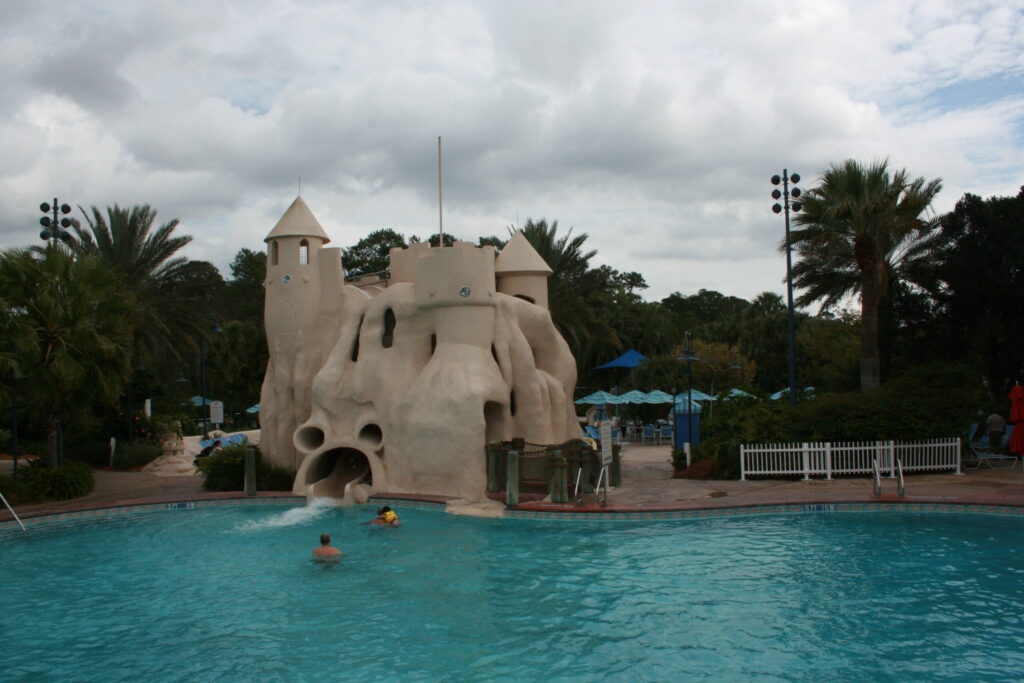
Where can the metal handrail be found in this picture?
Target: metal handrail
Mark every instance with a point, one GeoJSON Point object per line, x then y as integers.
{"type": "Point", "coordinates": [877, 477]}
{"type": "Point", "coordinates": [12, 512]}
{"type": "Point", "coordinates": [899, 470]}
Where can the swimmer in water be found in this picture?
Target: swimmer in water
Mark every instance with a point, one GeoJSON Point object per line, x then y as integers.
{"type": "Point", "coordinates": [386, 516]}
{"type": "Point", "coordinates": [326, 550]}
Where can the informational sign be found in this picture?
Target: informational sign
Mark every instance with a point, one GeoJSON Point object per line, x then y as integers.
{"type": "Point", "coordinates": [217, 412]}
{"type": "Point", "coordinates": [606, 443]}
{"type": "Point", "coordinates": [148, 407]}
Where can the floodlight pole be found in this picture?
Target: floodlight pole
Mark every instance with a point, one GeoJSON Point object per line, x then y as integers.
{"type": "Point", "coordinates": [14, 424]}
{"type": "Point", "coordinates": [202, 387]}
{"type": "Point", "coordinates": [790, 322]}
{"type": "Point", "coordinates": [688, 353]}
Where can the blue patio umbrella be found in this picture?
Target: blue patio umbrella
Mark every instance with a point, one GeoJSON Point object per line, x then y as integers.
{"type": "Point", "coordinates": [695, 395]}
{"type": "Point", "coordinates": [634, 396]}
{"type": "Point", "coordinates": [657, 396]}
{"type": "Point", "coordinates": [738, 393]}
{"type": "Point", "coordinates": [253, 409]}
{"type": "Point", "coordinates": [599, 398]}
{"type": "Point", "coordinates": [785, 392]}
{"type": "Point", "coordinates": [680, 406]}
{"type": "Point", "coordinates": [630, 359]}
{"type": "Point", "coordinates": [199, 400]}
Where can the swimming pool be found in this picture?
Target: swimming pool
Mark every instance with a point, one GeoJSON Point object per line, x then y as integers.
{"type": "Point", "coordinates": [230, 594]}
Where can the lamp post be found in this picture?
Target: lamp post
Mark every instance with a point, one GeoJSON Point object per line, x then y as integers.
{"type": "Point", "coordinates": [737, 366]}
{"type": "Point", "coordinates": [786, 207]}
{"type": "Point", "coordinates": [52, 227]}
{"type": "Point", "coordinates": [131, 410]}
{"type": "Point", "coordinates": [689, 357]}
{"type": "Point", "coordinates": [202, 381]}
{"type": "Point", "coordinates": [14, 423]}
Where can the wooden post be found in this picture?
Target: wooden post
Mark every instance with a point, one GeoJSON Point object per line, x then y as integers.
{"type": "Point", "coordinates": [558, 483]}
{"type": "Point", "coordinates": [615, 469]}
{"type": "Point", "coordinates": [495, 457]}
{"type": "Point", "coordinates": [512, 480]}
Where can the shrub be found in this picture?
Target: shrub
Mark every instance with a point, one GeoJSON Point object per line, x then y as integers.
{"type": "Point", "coordinates": [136, 454]}
{"type": "Point", "coordinates": [92, 451]}
{"type": "Point", "coordinates": [271, 477]}
{"type": "Point", "coordinates": [71, 480]}
{"type": "Point", "coordinates": [225, 471]}
{"type": "Point", "coordinates": [19, 492]}
{"type": "Point", "coordinates": [926, 402]}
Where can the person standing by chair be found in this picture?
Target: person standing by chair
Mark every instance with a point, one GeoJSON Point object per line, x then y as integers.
{"type": "Point", "coordinates": [996, 427]}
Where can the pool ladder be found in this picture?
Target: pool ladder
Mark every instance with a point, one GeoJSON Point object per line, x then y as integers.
{"type": "Point", "coordinates": [12, 512]}
{"type": "Point", "coordinates": [901, 485]}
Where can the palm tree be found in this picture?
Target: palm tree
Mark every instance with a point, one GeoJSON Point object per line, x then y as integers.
{"type": "Point", "coordinates": [858, 224]}
{"type": "Point", "coordinates": [578, 297]}
{"type": "Point", "coordinates": [69, 323]}
{"type": "Point", "coordinates": [173, 293]}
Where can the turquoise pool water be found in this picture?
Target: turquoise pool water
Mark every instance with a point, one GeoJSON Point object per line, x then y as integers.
{"type": "Point", "coordinates": [230, 594]}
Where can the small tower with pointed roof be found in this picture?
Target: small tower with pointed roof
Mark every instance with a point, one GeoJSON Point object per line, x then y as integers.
{"type": "Point", "coordinates": [296, 238]}
{"type": "Point", "coordinates": [299, 270]}
{"type": "Point", "coordinates": [521, 272]}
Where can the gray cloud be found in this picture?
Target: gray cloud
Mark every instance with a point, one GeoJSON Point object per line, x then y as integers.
{"type": "Point", "coordinates": [653, 127]}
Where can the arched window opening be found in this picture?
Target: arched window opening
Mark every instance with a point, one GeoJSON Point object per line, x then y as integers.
{"type": "Point", "coordinates": [512, 403]}
{"type": "Point", "coordinates": [273, 253]}
{"type": "Point", "coordinates": [388, 338]}
{"type": "Point", "coordinates": [355, 344]}
{"type": "Point", "coordinates": [304, 253]}
{"type": "Point", "coordinates": [433, 344]}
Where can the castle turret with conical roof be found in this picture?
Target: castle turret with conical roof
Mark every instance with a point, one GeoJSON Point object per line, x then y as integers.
{"type": "Point", "coordinates": [521, 272]}
{"type": "Point", "coordinates": [303, 290]}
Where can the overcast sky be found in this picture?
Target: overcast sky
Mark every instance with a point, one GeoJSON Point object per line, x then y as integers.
{"type": "Point", "coordinates": [653, 127]}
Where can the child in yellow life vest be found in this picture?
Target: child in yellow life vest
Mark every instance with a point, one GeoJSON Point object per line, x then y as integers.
{"type": "Point", "coordinates": [386, 515]}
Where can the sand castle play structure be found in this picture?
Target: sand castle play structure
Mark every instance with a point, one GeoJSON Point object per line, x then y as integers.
{"type": "Point", "coordinates": [395, 383]}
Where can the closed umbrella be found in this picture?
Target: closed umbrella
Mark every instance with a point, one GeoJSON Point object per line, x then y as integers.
{"type": "Point", "coordinates": [1017, 418]}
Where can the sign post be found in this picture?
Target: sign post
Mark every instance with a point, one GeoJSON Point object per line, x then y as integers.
{"type": "Point", "coordinates": [217, 412]}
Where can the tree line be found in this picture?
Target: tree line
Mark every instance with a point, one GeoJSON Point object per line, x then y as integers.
{"type": "Point", "coordinates": [113, 314]}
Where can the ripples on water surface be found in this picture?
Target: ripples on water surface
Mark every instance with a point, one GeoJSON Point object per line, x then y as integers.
{"type": "Point", "coordinates": [231, 594]}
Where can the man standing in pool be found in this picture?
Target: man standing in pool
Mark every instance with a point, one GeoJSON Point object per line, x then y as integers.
{"type": "Point", "coordinates": [326, 549]}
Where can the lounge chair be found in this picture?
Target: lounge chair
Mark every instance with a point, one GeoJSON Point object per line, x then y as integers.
{"type": "Point", "coordinates": [664, 434]}
{"type": "Point", "coordinates": [648, 434]}
{"type": "Point", "coordinates": [981, 452]}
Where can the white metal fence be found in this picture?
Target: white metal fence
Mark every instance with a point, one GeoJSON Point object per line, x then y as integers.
{"type": "Point", "coordinates": [854, 457]}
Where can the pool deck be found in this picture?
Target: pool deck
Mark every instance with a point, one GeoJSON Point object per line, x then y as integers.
{"type": "Point", "coordinates": [647, 486]}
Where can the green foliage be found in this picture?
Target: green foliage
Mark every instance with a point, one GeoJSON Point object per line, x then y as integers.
{"type": "Point", "coordinates": [225, 471]}
{"type": "Point", "coordinates": [929, 401]}
{"type": "Point", "coordinates": [171, 290]}
{"type": "Point", "coordinates": [71, 480]}
{"type": "Point", "coordinates": [69, 321]}
{"type": "Point", "coordinates": [980, 257]}
{"type": "Point", "coordinates": [860, 226]}
{"type": "Point", "coordinates": [370, 254]}
{"type": "Point", "coordinates": [19, 492]}
{"type": "Point", "coordinates": [130, 455]}
{"type": "Point", "coordinates": [244, 292]}
{"type": "Point", "coordinates": [235, 362]}
{"type": "Point", "coordinates": [270, 477]}
{"type": "Point", "coordinates": [93, 452]}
